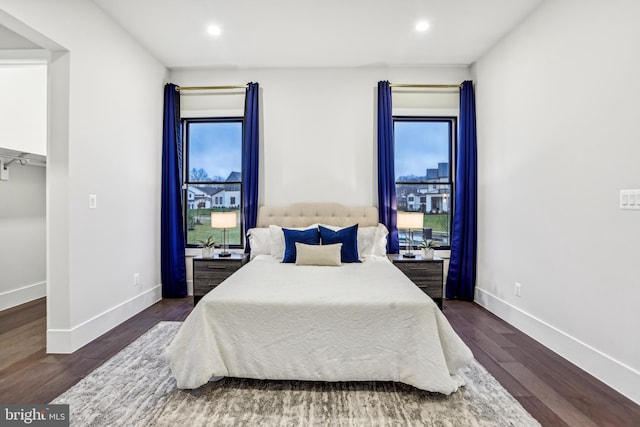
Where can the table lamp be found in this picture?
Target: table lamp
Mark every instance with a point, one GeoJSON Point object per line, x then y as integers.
{"type": "Point", "coordinates": [410, 221]}
{"type": "Point", "coordinates": [224, 220]}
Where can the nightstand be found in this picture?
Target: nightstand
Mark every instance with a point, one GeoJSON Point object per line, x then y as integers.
{"type": "Point", "coordinates": [427, 274]}
{"type": "Point", "coordinates": [210, 272]}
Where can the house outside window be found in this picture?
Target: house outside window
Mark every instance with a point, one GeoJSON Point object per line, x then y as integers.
{"type": "Point", "coordinates": [424, 153]}
{"type": "Point", "coordinates": [212, 177]}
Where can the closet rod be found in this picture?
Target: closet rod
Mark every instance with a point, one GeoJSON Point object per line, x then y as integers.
{"type": "Point", "coordinates": [210, 87]}
{"type": "Point", "coordinates": [392, 85]}
{"type": "Point", "coordinates": [22, 160]}
{"type": "Point", "coordinates": [19, 158]}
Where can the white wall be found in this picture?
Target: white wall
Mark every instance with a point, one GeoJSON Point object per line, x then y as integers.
{"type": "Point", "coordinates": [319, 127]}
{"type": "Point", "coordinates": [557, 105]}
{"type": "Point", "coordinates": [105, 107]}
{"type": "Point", "coordinates": [23, 106]}
{"type": "Point", "coordinates": [22, 236]}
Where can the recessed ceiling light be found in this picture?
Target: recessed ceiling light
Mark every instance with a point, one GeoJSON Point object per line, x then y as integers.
{"type": "Point", "coordinates": [422, 26]}
{"type": "Point", "coordinates": [214, 30]}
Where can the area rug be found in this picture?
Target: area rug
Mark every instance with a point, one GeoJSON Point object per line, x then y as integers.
{"type": "Point", "coordinates": [135, 388]}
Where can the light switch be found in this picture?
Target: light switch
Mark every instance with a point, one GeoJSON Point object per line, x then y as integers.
{"type": "Point", "coordinates": [93, 201]}
{"type": "Point", "coordinates": [630, 199]}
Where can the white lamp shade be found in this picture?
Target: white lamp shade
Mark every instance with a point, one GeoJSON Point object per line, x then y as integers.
{"type": "Point", "coordinates": [224, 219]}
{"type": "Point", "coordinates": [410, 220]}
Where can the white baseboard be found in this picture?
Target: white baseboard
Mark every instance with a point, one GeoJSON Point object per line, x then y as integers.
{"type": "Point", "coordinates": [22, 295]}
{"type": "Point", "coordinates": [617, 375]}
{"type": "Point", "coordinates": [69, 340]}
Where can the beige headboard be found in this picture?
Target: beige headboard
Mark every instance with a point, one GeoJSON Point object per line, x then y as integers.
{"type": "Point", "coordinates": [303, 214]}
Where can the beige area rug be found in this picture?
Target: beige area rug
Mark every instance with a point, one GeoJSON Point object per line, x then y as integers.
{"type": "Point", "coordinates": [135, 388]}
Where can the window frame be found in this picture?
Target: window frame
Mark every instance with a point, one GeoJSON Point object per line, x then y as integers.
{"type": "Point", "coordinates": [186, 182]}
{"type": "Point", "coordinates": [452, 121]}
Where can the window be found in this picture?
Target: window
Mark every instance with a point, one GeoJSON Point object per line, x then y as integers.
{"type": "Point", "coordinates": [213, 177]}
{"type": "Point", "coordinates": [423, 158]}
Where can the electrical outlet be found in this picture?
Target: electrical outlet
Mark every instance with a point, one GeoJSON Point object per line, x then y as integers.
{"type": "Point", "coordinates": [136, 279]}
{"type": "Point", "coordinates": [518, 289]}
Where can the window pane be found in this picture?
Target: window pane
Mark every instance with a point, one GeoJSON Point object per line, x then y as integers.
{"type": "Point", "coordinates": [423, 147]}
{"type": "Point", "coordinates": [204, 199]}
{"type": "Point", "coordinates": [422, 150]}
{"type": "Point", "coordinates": [214, 151]}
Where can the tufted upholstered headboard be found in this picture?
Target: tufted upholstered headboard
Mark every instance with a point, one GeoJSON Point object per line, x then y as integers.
{"type": "Point", "coordinates": [303, 214]}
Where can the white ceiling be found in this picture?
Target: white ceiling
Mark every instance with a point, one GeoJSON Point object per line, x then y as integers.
{"type": "Point", "coordinates": [317, 33]}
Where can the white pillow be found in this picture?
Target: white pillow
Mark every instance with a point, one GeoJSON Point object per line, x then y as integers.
{"type": "Point", "coordinates": [318, 254]}
{"type": "Point", "coordinates": [260, 241]}
{"type": "Point", "coordinates": [380, 242]}
{"type": "Point", "coordinates": [371, 240]}
{"type": "Point", "coordinates": [277, 239]}
{"type": "Point", "coordinates": [366, 240]}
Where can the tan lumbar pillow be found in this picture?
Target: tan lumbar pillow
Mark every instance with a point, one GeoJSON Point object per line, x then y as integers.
{"type": "Point", "coordinates": [318, 254]}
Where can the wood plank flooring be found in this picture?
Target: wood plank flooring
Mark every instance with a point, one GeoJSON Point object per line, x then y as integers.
{"type": "Point", "coordinates": [553, 390]}
{"type": "Point", "coordinates": [32, 376]}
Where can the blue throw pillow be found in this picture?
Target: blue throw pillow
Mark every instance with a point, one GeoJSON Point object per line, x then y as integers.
{"type": "Point", "coordinates": [347, 236]}
{"type": "Point", "coordinates": [310, 237]}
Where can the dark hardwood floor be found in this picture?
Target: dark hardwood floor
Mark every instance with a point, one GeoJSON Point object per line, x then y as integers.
{"type": "Point", "coordinates": [553, 390]}
{"type": "Point", "coordinates": [29, 375]}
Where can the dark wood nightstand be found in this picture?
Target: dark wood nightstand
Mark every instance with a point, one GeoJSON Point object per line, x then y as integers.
{"type": "Point", "coordinates": [427, 274]}
{"type": "Point", "coordinates": [210, 272]}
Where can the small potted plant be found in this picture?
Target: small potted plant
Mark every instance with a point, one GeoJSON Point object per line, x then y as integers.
{"type": "Point", "coordinates": [207, 246]}
{"type": "Point", "coordinates": [428, 247]}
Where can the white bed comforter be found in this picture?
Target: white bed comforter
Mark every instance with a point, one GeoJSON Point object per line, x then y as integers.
{"type": "Point", "coordinates": [355, 322]}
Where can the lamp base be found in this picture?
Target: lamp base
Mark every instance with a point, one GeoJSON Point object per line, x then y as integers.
{"type": "Point", "coordinates": [409, 255]}
{"type": "Point", "coordinates": [224, 254]}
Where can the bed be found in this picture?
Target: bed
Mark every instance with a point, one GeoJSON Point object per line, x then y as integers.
{"type": "Point", "coordinates": [354, 321]}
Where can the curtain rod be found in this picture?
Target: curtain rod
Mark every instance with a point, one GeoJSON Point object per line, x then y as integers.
{"type": "Point", "coordinates": [210, 87]}
{"type": "Point", "coordinates": [425, 86]}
